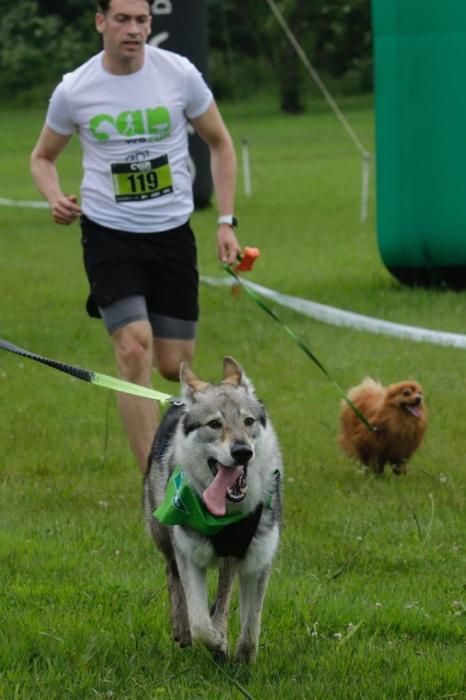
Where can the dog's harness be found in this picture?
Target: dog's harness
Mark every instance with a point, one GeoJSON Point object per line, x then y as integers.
{"type": "Point", "coordinates": [234, 540]}
{"type": "Point", "coordinates": [230, 535]}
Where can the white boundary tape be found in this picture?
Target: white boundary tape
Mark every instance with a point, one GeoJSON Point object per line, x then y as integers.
{"type": "Point", "coordinates": [319, 312]}
{"type": "Point", "coordinates": [348, 319]}
{"type": "Point", "coordinates": [27, 204]}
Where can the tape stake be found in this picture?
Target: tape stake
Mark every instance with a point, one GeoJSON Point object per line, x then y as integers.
{"type": "Point", "coordinates": [86, 375]}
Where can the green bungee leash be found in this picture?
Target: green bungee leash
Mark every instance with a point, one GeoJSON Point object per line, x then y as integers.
{"type": "Point", "coordinates": [93, 377]}
{"type": "Point", "coordinates": [247, 265]}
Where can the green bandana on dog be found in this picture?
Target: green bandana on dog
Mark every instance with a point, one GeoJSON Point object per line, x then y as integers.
{"type": "Point", "coordinates": [183, 506]}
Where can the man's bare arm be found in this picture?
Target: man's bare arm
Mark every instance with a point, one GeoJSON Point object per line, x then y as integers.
{"type": "Point", "coordinates": [212, 130]}
{"type": "Point", "coordinates": [50, 144]}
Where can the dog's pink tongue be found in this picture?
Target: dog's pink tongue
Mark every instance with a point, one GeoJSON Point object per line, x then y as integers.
{"type": "Point", "coordinates": [215, 495]}
{"type": "Point", "coordinates": [415, 410]}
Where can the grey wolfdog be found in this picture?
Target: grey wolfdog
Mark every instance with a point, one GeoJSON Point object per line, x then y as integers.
{"type": "Point", "coordinates": [215, 482]}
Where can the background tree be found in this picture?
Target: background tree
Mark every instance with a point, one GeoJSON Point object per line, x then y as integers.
{"type": "Point", "coordinates": [343, 41]}
{"type": "Point", "coordinates": [42, 39]}
{"type": "Point", "coordinates": [37, 45]}
{"type": "Point", "coordinates": [249, 48]}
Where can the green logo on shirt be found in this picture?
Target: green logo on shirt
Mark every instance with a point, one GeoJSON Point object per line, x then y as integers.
{"type": "Point", "coordinates": [153, 122]}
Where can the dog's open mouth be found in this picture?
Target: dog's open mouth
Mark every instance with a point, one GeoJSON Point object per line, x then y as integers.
{"type": "Point", "coordinates": [229, 484]}
{"type": "Point", "coordinates": [414, 409]}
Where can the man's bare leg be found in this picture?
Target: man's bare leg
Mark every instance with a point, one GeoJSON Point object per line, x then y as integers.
{"type": "Point", "coordinates": [133, 345]}
{"type": "Point", "coordinates": [169, 354]}
{"type": "Point", "coordinates": [137, 353]}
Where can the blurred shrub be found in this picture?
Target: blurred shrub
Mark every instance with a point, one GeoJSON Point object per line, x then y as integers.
{"type": "Point", "coordinates": [35, 49]}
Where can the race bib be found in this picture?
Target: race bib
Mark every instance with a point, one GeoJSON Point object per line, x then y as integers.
{"type": "Point", "coordinates": [146, 179]}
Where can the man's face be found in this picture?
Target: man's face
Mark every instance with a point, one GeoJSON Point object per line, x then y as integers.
{"type": "Point", "coordinates": [125, 29]}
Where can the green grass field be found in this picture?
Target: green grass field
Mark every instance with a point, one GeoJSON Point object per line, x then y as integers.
{"type": "Point", "coordinates": [367, 598]}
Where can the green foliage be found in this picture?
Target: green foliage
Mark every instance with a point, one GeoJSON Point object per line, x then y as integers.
{"type": "Point", "coordinates": [42, 39]}
{"type": "Point", "coordinates": [336, 38]}
{"type": "Point", "coordinates": [344, 40]}
{"type": "Point", "coordinates": [366, 599]}
{"type": "Point", "coordinates": [36, 49]}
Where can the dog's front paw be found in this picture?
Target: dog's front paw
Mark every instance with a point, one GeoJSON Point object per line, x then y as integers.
{"type": "Point", "coordinates": [182, 637]}
{"type": "Point", "coordinates": [246, 652]}
{"type": "Point", "coordinates": [211, 638]}
{"type": "Point", "coordinates": [399, 468]}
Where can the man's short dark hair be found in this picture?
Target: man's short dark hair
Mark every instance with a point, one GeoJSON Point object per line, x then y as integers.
{"type": "Point", "coordinates": [103, 6]}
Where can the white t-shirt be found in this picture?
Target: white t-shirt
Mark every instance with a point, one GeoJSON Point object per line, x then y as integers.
{"type": "Point", "coordinates": [133, 131]}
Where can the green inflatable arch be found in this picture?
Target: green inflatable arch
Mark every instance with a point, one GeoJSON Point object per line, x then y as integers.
{"type": "Point", "coordinates": [420, 98]}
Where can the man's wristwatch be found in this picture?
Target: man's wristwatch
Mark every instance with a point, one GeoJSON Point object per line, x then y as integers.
{"type": "Point", "coordinates": [228, 219]}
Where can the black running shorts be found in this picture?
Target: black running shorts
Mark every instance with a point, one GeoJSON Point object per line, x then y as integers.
{"type": "Point", "coordinates": [161, 267]}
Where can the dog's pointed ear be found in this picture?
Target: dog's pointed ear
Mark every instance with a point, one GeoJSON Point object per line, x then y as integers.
{"type": "Point", "coordinates": [190, 382]}
{"type": "Point", "coordinates": [233, 374]}
{"type": "Point", "coordinates": [231, 371]}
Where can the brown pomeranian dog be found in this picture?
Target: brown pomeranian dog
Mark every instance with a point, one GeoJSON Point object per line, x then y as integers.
{"type": "Point", "coordinates": [399, 417]}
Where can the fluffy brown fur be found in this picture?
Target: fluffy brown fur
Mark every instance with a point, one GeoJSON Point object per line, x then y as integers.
{"type": "Point", "coordinates": [399, 415]}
